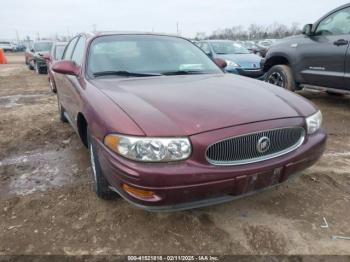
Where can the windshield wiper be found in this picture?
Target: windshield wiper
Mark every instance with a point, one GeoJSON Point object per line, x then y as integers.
{"type": "Point", "coordinates": [184, 72]}
{"type": "Point", "coordinates": [123, 73]}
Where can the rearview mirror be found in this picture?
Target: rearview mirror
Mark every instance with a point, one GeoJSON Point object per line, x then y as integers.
{"type": "Point", "coordinates": [220, 63]}
{"type": "Point", "coordinates": [307, 30]}
{"type": "Point", "coordinates": [66, 67]}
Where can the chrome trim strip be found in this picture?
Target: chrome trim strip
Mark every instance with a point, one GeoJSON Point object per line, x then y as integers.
{"type": "Point", "coordinates": [257, 159]}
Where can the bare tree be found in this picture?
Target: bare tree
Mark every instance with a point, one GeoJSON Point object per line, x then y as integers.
{"type": "Point", "coordinates": [255, 32]}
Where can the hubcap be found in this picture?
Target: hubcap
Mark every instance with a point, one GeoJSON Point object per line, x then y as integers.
{"type": "Point", "coordinates": [277, 79]}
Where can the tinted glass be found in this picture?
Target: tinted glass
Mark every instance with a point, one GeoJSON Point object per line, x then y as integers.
{"type": "Point", "coordinates": [335, 24]}
{"type": "Point", "coordinates": [59, 51]}
{"type": "Point", "coordinates": [69, 49]}
{"type": "Point", "coordinates": [147, 54]}
{"type": "Point", "coordinates": [223, 48]}
{"type": "Point", "coordinates": [42, 46]}
{"type": "Point", "coordinates": [78, 53]}
{"type": "Point", "coordinates": [205, 47]}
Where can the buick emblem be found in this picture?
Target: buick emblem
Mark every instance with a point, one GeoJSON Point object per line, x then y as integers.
{"type": "Point", "coordinates": [263, 144]}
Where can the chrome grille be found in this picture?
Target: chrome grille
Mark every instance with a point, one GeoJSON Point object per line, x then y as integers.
{"type": "Point", "coordinates": [246, 149]}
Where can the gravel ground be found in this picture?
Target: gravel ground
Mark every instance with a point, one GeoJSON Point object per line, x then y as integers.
{"type": "Point", "coordinates": [47, 207]}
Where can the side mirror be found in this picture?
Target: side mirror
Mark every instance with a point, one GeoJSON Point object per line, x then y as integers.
{"type": "Point", "coordinates": [220, 63]}
{"type": "Point", "coordinates": [32, 50]}
{"type": "Point", "coordinates": [307, 30]}
{"type": "Point", "coordinates": [47, 57]}
{"type": "Point", "coordinates": [66, 67]}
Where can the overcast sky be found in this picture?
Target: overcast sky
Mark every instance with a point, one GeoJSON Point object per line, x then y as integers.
{"type": "Point", "coordinates": [47, 18]}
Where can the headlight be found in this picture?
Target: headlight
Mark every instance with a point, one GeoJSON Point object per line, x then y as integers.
{"type": "Point", "coordinates": [232, 64]}
{"type": "Point", "coordinates": [147, 149]}
{"type": "Point", "coordinates": [314, 122]}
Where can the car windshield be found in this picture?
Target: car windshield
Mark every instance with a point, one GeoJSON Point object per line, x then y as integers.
{"type": "Point", "coordinates": [42, 46]}
{"type": "Point", "coordinates": [225, 48]}
{"type": "Point", "coordinates": [59, 51]}
{"type": "Point", "coordinates": [138, 55]}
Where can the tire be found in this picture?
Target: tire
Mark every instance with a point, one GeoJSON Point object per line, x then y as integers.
{"type": "Point", "coordinates": [281, 75]}
{"type": "Point", "coordinates": [52, 85]}
{"type": "Point", "coordinates": [61, 112]}
{"type": "Point", "coordinates": [100, 184]}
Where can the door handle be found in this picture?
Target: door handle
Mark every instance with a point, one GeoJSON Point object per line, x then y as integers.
{"type": "Point", "coordinates": [341, 42]}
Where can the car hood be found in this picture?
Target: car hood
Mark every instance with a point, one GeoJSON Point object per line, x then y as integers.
{"type": "Point", "coordinates": [187, 105]}
{"type": "Point", "coordinates": [244, 60]}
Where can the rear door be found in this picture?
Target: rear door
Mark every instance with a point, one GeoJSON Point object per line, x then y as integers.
{"type": "Point", "coordinates": [62, 82]}
{"type": "Point", "coordinates": [322, 55]}
{"type": "Point", "coordinates": [73, 83]}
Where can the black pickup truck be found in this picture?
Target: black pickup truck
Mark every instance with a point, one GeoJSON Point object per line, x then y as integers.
{"type": "Point", "coordinates": [319, 58]}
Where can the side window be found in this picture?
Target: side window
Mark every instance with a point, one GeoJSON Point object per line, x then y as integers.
{"type": "Point", "coordinates": [335, 24]}
{"type": "Point", "coordinates": [68, 52]}
{"type": "Point", "coordinates": [78, 53]}
{"type": "Point", "coordinates": [205, 47]}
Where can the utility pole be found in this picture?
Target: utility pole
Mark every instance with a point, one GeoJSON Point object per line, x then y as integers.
{"type": "Point", "coordinates": [177, 28]}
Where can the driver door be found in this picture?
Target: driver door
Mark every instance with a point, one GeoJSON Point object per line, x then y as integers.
{"type": "Point", "coordinates": [323, 54]}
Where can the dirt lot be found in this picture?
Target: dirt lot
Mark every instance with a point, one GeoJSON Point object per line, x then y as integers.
{"type": "Point", "coordinates": [46, 206]}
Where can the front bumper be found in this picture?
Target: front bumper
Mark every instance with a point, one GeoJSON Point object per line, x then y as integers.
{"type": "Point", "coordinates": [253, 73]}
{"type": "Point", "coordinates": [193, 183]}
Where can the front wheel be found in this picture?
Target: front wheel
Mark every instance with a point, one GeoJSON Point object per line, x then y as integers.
{"type": "Point", "coordinates": [282, 76]}
{"type": "Point", "coordinates": [100, 184]}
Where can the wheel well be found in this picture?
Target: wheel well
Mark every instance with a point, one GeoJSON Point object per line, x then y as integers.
{"type": "Point", "coordinates": [82, 128]}
{"type": "Point", "coordinates": [277, 60]}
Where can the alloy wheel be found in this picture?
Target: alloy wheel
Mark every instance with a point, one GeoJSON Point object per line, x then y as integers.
{"type": "Point", "coordinates": [277, 79]}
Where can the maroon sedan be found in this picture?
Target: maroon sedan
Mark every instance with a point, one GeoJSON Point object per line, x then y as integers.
{"type": "Point", "coordinates": [167, 129]}
{"type": "Point", "coordinates": [51, 58]}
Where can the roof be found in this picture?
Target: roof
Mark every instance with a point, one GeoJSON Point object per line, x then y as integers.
{"type": "Point", "coordinates": [106, 33]}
